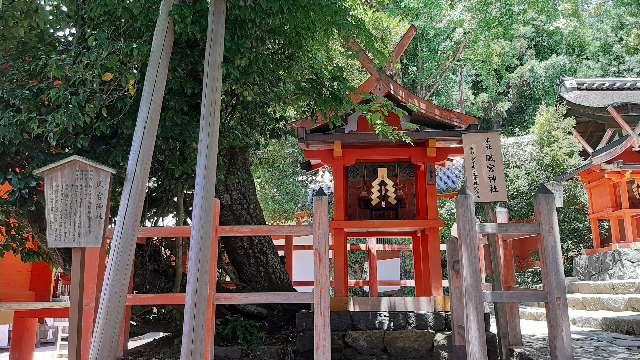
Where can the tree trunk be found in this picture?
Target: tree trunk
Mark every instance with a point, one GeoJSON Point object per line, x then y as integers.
{"type": "Point", "coordinates": [255, 259]}
{"type": "Point", "coordinates": [177, 282]}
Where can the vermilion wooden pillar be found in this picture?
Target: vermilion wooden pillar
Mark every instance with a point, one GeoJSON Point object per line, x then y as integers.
{"type": "Point", "coordinates": [615, 230]}
{"type": "Point", "coordinates": [23, 338]}
{"type": "Point", "coordinates": [288, 255]}
{"type": "Point", "coordinates": [434, 262]}
{"type": "Point", "coordinates": [373, 266]}
{"type": "Point", "coordinates": [419, 263]}
{"type": "Point", "coordinates": [432, 238]}
{"type": "Point", "coordinates": [340, 270]}
{"type": "Point", "coordinates": [595, 232]}
{"type": "Point", "coordinates": [340, 267]}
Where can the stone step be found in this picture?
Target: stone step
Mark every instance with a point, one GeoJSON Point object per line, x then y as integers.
{"type": "Point", "coordinates": [595, 302]}
{"type": "Point", "coordinates": [615, 287]}
{"type": "Point", "coordinates": [622, 322]}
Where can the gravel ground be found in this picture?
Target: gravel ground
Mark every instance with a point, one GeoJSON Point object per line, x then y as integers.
{"type": "Point", "coordinates": [588, 344]}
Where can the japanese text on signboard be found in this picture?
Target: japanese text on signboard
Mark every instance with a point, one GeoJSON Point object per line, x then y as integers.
{"type": "Point", "coordinates": [484, 168]}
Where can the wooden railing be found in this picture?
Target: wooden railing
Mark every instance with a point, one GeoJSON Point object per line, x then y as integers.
{"type": "Point", "coordinates": [467, 296]}
{"type": "Point", "coordinates": [319, 297]}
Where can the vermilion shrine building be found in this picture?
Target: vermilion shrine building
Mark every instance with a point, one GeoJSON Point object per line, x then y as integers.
{"type": "Point", "coordinates": [384, 188]}
{"type": "Point", "coordinates": [607, 114]}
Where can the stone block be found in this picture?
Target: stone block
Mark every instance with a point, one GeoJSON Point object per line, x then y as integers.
{"type": "Point", "coordinates": [340, 321]}
{"type": "Point", "coordinates": [398, 321]}
{"type": "Point", "coordinates": [304, 320]}
{"type": "Point", "coordinates": [228, 352]}
{"type": "Point", "coordinates": [364, 320]}
{"type": "Point", "coordinates": [365, 342]}
{"type": "Point", "coordinates": [434, 321]}
{"type": "Point", "coordinates": [617, 264]}
{"type": "Point", "coordinates": [304, 341]}
{"type": "Point", "coordinates": [409, 344]}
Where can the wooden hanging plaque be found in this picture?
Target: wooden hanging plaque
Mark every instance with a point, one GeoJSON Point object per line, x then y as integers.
{"type": "Point", "coordinates": [483, 166]}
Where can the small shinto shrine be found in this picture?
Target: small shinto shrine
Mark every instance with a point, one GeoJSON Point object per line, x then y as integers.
{"type": "Point", "coordinates": [384, 188]}
{"type": "Point", "coordinates": [607, 114]}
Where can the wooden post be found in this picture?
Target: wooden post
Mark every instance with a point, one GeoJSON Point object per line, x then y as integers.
{"type": "Point", "coordinates": [322, 286]}
{"type": "Point", "coordinates": [340, 254]}
{"type": "Point", "coordinates": [475, 337]}
{"type": "Point", "coordinates": [75, 314]}
{"type": "Point", "coordinates": [595, 232]}
{"type": "Point", "coordinates": [553, 276]}
{"type": "Point", "coordinates": [373, 267]}
{"type": "Point", "coordinates": [126, 321]}
{"type": "Point", "coordinates": [288, 255]}
{"type": "Point", "coordinates": [454, 268]}
{"type": "Point", "coordinates": [630, 228]}
{"type": "Point", "coordinates": [418, 264]}
{"type": "Point", "coordinates": [210, 325]}
{"type": "Point", "coordinates": [340, 265]}
{"type": "Point", "coordinates": [197, 302]}
{"type": "Point", "coordinates": [496, 279]}
{"type": "Point", "coordinates": [509, 281]}
{"type": "Point", "coordinates": [84, 274]}
{"type": "Point", "coordinates": [107, 326]}
{"type": "Point", "coordinates": [432, 266]}
{"type": "Point", "coordinates": [23, 338]}
{"type": "Point", "coordinates": [615, 230]}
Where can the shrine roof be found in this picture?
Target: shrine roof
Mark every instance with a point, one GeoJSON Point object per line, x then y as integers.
{"type": "Point", "coordinates": [587, 101]}
{"type": "Point", "coordinates": [382, 82]}
{"type": "Point", "coordinates": [600, 156]}
{"type": "Point", "coordinates": [420, 112]}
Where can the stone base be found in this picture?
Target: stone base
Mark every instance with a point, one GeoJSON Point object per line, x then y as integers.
{"type": "Point", "coordinates": [617, 264]}
{"type": "Point", "coordinates": [254, 353]}
{"type": "Point", "coordinates": [388, 345]}
{"type": "Point", "coordinates": [385, 335]}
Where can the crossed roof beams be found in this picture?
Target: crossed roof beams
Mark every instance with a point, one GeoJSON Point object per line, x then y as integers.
{"type": "Point", "coordinates": [381, 83]}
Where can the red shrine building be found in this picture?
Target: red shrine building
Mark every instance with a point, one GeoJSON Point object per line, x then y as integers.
{"type": "Point", "coordinates": [384, 188]}
{"type": "Point", "coordinates": [607, 114]}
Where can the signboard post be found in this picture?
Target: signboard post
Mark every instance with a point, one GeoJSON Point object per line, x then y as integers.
{"type": "Point", "coordinates": [76, 192]}
{"type": "Point", "coordinates": [484, 167]}
{"type": "Point", "coordinates": [484, 177]}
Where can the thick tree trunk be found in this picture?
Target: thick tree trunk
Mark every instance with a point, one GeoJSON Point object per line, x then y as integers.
{"type": "Point", "coordinates": [255, 259]}
{"type": "Point", "coordinates": [177, 282]}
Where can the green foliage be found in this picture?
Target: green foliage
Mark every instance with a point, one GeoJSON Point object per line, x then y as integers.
{"type": "Point", "coordinates": [529, 278]}
{"type": "Point", "coordinates": [538, 158]}
{"type": "Point", "coordinates": [235, 330]}
{"type": "Point", "coordinates": [513, 53]}
{"type": "Point", "coordinates": [282, 186]}
{"type": "Point", "coordinates": [71, 75]}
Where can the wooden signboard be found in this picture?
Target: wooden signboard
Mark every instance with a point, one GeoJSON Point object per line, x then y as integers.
{"type": "Point", "coordinates": [483, 166]}
{"type": "Point", "coordinates": [76, 196]}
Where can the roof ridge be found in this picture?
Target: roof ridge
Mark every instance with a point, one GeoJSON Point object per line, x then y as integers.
{"type": "Point", "coordinates": [586, 84]}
